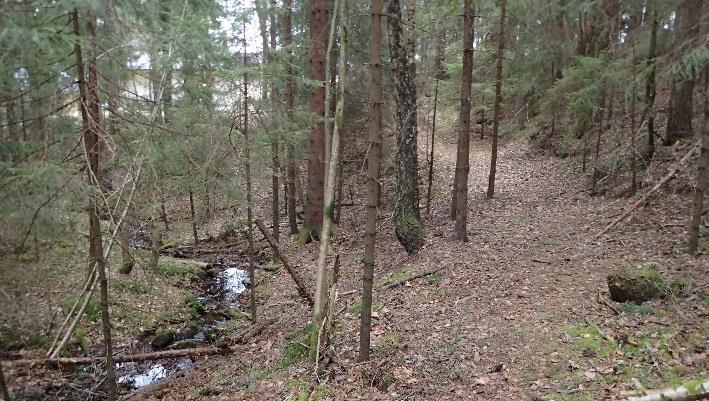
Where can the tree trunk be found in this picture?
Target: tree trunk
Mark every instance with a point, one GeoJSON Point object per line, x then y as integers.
{"type": "Point", "coordinates": [462, 164]}
{"type": "Point", "coordinates": [680, 107]}
{"type": "Point", "coordinates": [275, 163]}
{"type": "Point", "coordinates": [498, 101]}
{"type": "Point", "coordinates": [633, 157]}
{"type": "Point", "coordinates": [702, 175]}
{"type": "Point", "coordinates": [247, 173]}
{"type": "Point", "coordinates": [3, 386]}
{"type": "Point", "coordinates": [438, 75]}
{"type": "Point", "coordinates": [193, 217]}
{"type": "Point", "coordinates": [650, 88]}
{"type": "Point", "coordinates": [90, 117]}
{"type": "Point", "coordinates": [290, 168]}
{"type": "Point", "coordinates": [319, 15]}
{"type": "Point", "coordinates": [597, 149]}
{"type": "Point", "coordinates": [375, 139]}
{"type": "Point", "coordinates": [321, 282]}
{"type": "Point", "coordinates": [407, 220]}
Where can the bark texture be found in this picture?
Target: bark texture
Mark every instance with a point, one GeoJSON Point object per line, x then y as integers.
{"type": "Point", "coordinates": [462, 164]}
{"type": "Point", "coordinates": [407, 220]}
{"type": "Point", "coordinates": [319, 16]}
{"type": "Point", "coordinates": [680, 107]}
{"type": "Point", "coordinates": [375, 139]}
{"type": "Point", "coordinates": [498, 101]}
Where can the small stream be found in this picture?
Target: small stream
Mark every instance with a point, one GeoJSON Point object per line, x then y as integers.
{"type": "Point", "coordinates": [218, 293]}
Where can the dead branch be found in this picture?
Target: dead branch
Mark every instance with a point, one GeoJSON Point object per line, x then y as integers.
{"type": "Point", "coordinates": [150, 356]}
{"type": "Point", "coordinates": [642, 200]}
{"type": "Point", "coordinates": [681, 393]}
{"type": "Point", "coordinates": [302, 289]}
{"type": "Point", "coordinates": [424, 274]}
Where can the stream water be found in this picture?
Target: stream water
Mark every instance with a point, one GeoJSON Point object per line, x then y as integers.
{"type": "Point", "coordinates": [217, 293]}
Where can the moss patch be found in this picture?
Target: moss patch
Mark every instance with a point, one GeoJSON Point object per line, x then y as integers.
{"type": "Point", "coordinates": [635, 284]}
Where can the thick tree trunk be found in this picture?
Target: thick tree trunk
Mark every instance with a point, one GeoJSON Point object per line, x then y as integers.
{"type": "Point", "coordinates": [702, 175]}
{"type": "Point", "coordinates": [650, 87]}
{"type": "Point", "coordinates": [407, 220]}
{"type": "Point", "coordinates": [498, 101]}
{"type": "Point", "coordinates": [462, 164]}
{"type": "Point", "coordinates": [290, 168]}
{"type": "Point", "coordinates": [375, 139]}
{"type": "Point", "coordinates": [319, 16]}
{"type": "Point", "coordinates": [90, 118]}
{"type": "Point", "coordinates": [680, 107]}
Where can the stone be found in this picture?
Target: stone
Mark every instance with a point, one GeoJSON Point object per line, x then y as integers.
{"type": "Point", "coordinates": [635, 284]}
{"type": "Point", "coordinates": [163, 339]}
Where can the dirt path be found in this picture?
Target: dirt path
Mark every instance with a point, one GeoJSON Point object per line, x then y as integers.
{"type": "Point", "coordinates": [495, 323]}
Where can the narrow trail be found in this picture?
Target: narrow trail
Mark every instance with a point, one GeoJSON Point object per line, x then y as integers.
{"type": "Point", "coordinates": [492, 324]}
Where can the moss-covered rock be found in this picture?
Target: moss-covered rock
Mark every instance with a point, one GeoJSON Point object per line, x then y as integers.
{"type": "Point", "coordinates": [163, 339]}
{"type": "Point", "coordinates": [126, 266]}
{"type": "Point", "coordinates": [635, 284]}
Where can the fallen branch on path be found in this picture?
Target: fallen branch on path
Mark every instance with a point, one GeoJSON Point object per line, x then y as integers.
{"type": "Point", "coordinates": [420, 275]}
{"type": "Point", "coordinates": [302, 289]}
{"type": "Point", "coordinates": [696, 391]}
{"type": "Point", "coordinates": [642, 200]}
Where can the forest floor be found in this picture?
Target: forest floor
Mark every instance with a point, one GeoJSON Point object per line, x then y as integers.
{"type": "Point", "coordinates": [513, 314]}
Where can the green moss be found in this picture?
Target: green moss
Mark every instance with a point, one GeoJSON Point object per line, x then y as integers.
{"type": "Point", "coordinates": [356, 308]}
{"type": "Point", "coordinates": [163, 338]}
{"type": "Point", "coordinates": [176, 269]}
{"type": "Point", "coordinates": [131, 287]}
{"type": "Point", "coordinates": [330, 211]}
{"type": "Point", "coordinates": [80, 338]}
{"type": "Point", "coordinates": [297, 347]}
{"type": "Point", "coordinates": [306, 235]}
{"type": "Point", "coordinates": [126, 267]}
{"type": "Point", "coordinates": [636, 284]}
{"type": "Point", "coordinates": [193, 304]}
{"type": "Point", "coordinates": [409, 231]}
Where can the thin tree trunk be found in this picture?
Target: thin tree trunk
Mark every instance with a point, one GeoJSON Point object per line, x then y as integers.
{"type": "Point", "coordinates": [462, 165]}
{"type": "Point", "coordinates": [319, 18]}
{"type": "Point", "coordinates": [290, 168]}
{"type": "Point", "coordinates": [193, 218]}
{"type": "Point", "coordinates": [498, 101]}
{"type": "Point", "coordinates": [408, 227]}
{"type": "Point", "coordinates": [438, 72]}
{"type": "Point", "coordinates": [3, 386]}
{"type": "Point", "coordinates": [597, 149]}
{"type": "Point", "coordinates": [650, 88]}
{"type": "Point", "coordinates": [247, 173]}
{"type": "Point", "coordinates": [702, 175]}
{"type": "Point", "coordinates": [375, 139]}
{"type": "Point", "coordinates": [90, 117]}
{"type": "Point", "coordinates": [321, 282]}
{"type": "Point", "coordinates": [633, 157]}
{"type": "Point", "coordinates": [275, 163]}
{"type": "Point", "coordinates": [429, 187]}
{"type": "Point", "coordinates": [482, 124]}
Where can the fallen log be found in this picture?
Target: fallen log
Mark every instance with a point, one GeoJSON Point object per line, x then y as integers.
{"type": "Point", "coordinates": [690, 391]}
{"type": "Point", "coordinates": [150, 356]}
{"type": "Point", "coordinates": [642, 200]}
{"type": "Point", "coordinates": [417, 276]}
{"type": "Point", "coordinates": [302, 289]}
